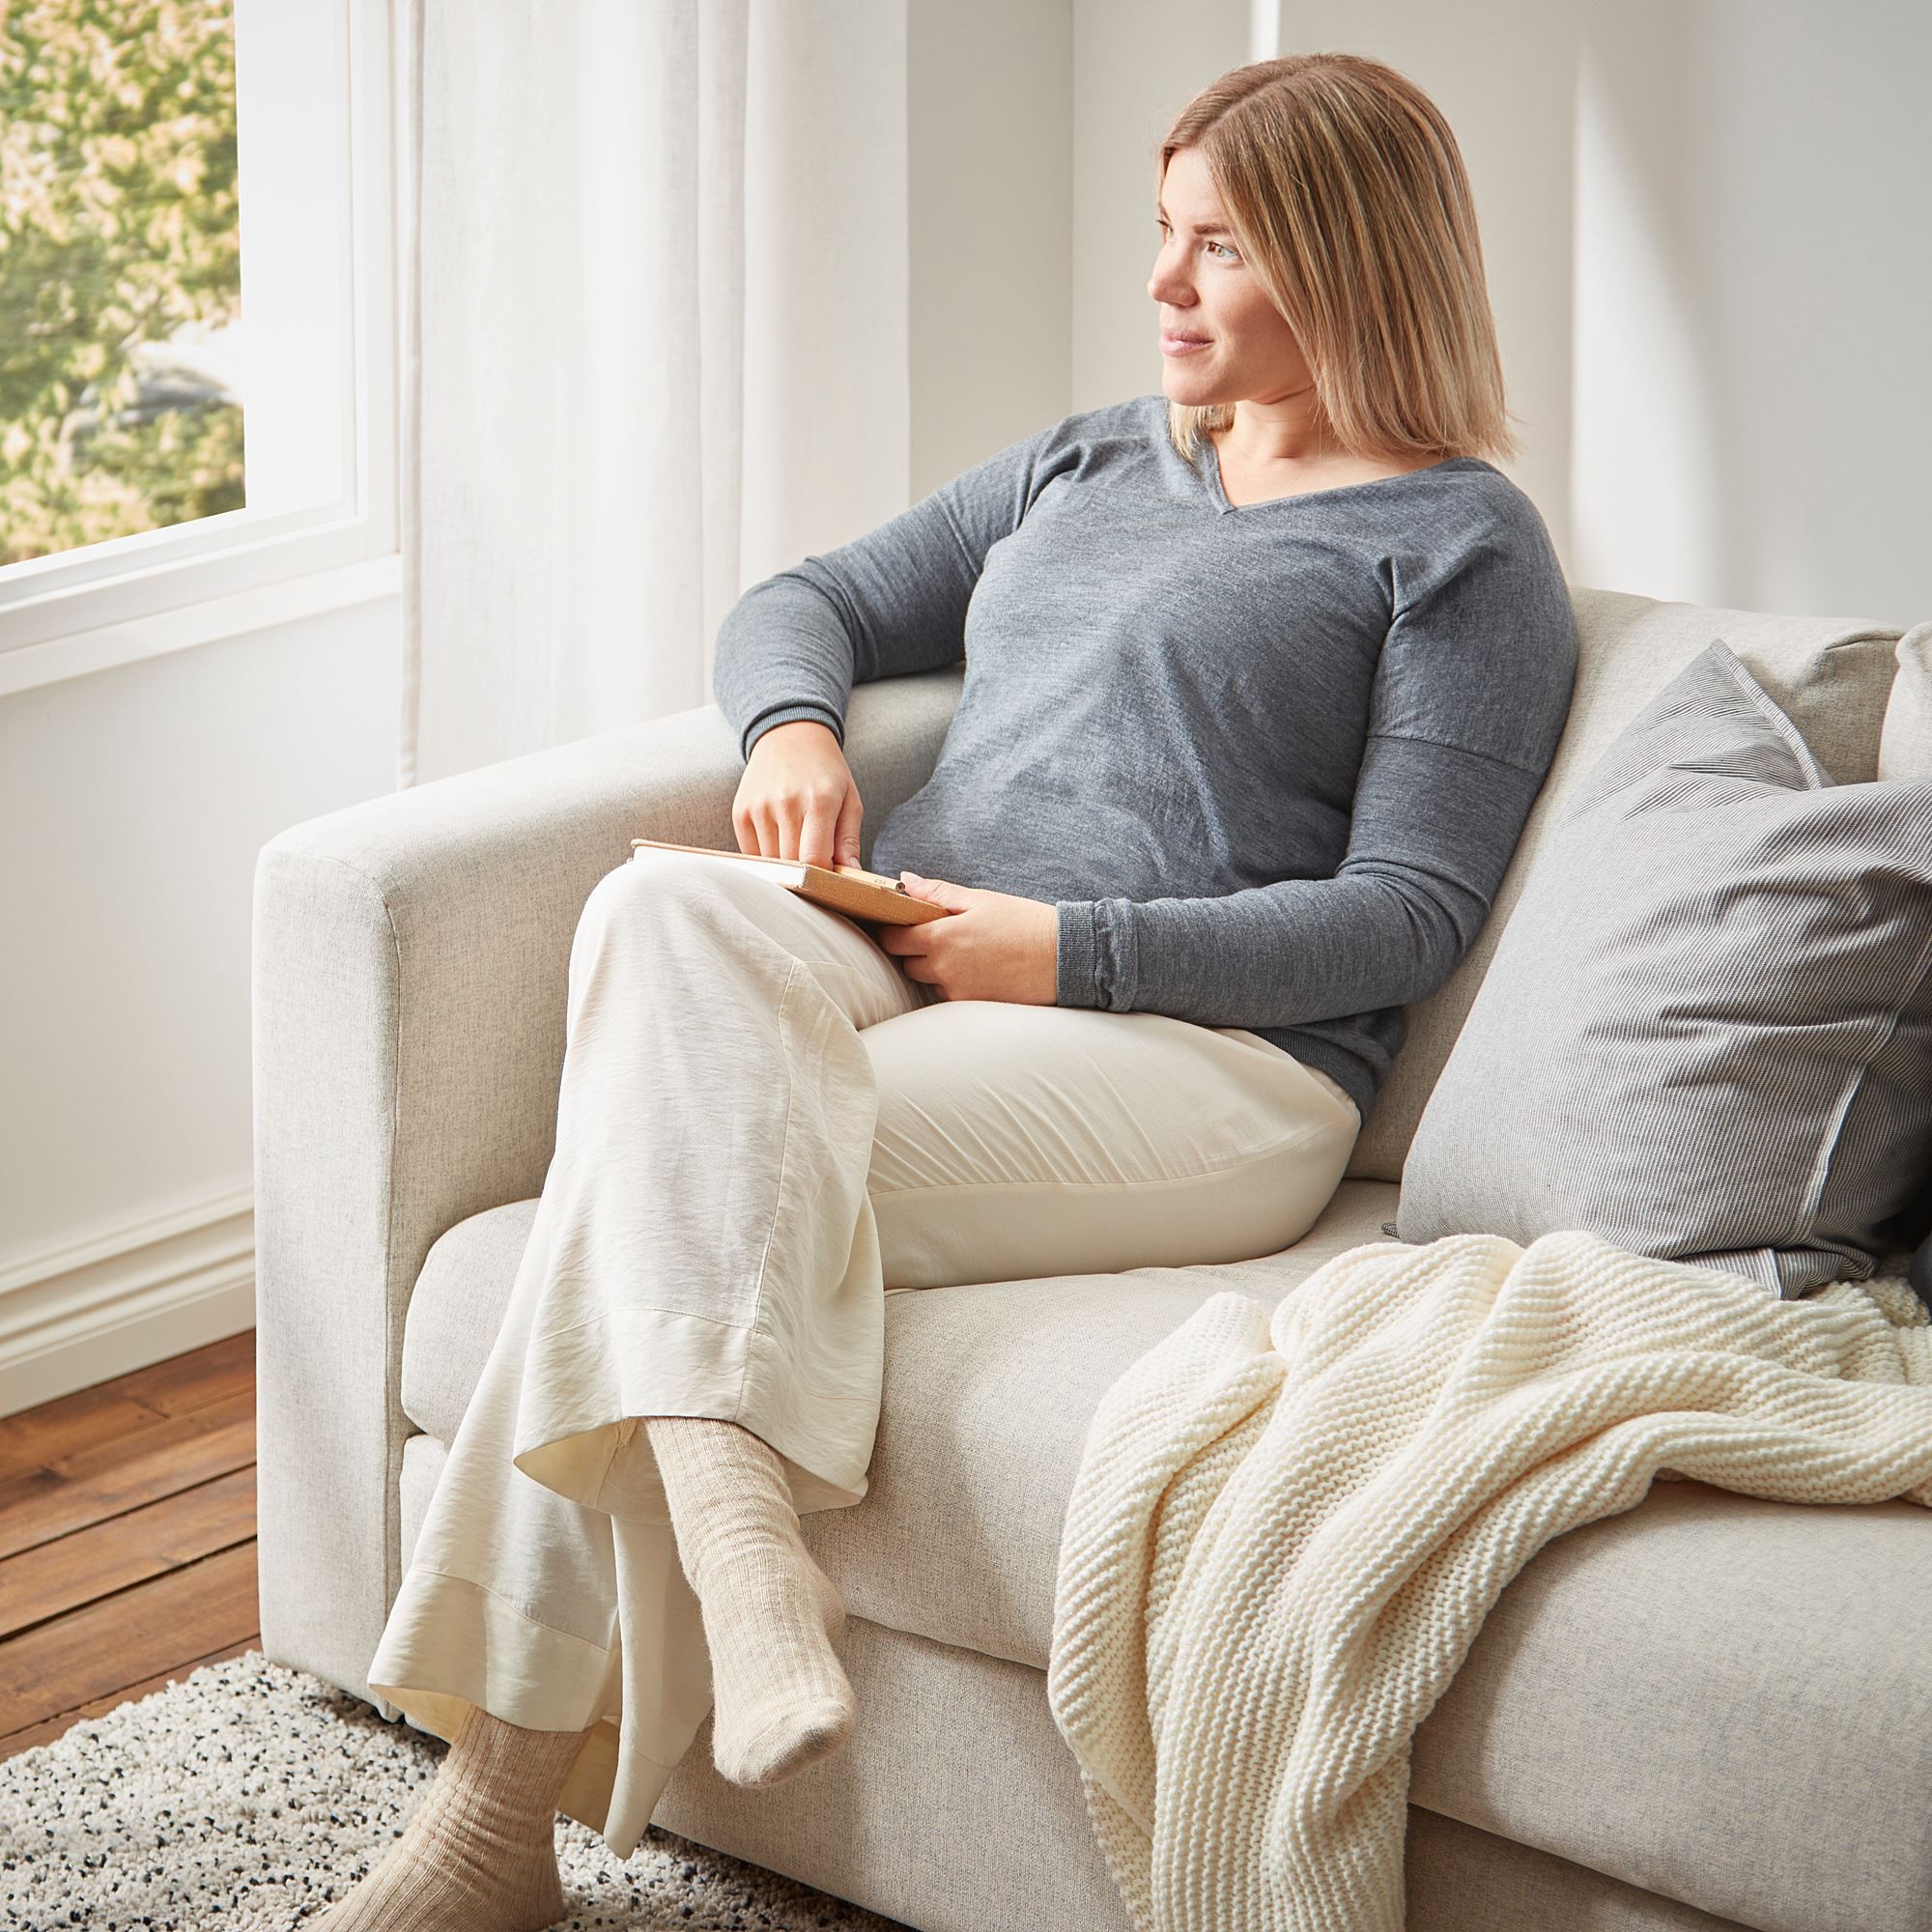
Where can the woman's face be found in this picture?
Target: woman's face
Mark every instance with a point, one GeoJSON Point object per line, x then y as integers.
{"type": "Point", "coordinates": [1205, 289]}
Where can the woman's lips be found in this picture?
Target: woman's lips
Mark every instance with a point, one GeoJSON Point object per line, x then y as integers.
{"type": "Point", "coordinates": [1180, 345]}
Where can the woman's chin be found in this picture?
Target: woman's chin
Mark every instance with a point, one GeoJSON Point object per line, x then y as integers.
{"type": "Point", "coordinates": [1182, 385]}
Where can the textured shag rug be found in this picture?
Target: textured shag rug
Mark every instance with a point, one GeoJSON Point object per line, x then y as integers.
{"type": "Point", "coordinates": [252, 1797]}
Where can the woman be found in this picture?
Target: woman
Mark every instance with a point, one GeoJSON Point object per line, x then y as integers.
{"type": "Point", "coordinates": [1264, 674]}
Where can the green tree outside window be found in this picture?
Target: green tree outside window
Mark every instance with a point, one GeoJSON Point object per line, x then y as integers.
{"type": "Point", "coordinates": [119, 228]}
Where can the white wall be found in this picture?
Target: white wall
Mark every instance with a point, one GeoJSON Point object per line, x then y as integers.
{"type": "Point", "coordinates": [1705, 234]}
{"type": "Point", "coordinates": [133, 802]}
{"type": "Point", "coordinates": [991, 158]}
{"type": "Point", "coordinates": [1753, 423]}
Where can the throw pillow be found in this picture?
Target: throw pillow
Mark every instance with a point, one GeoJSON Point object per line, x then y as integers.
{"type": "Point", "coordinates": [1905, 752]}
{"type": "Point", "coordinates": [1706, 1032]}
{"type": "Point", "coordinates": [1905, 740]}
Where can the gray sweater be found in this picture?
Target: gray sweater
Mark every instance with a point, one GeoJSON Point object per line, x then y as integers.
{"type": "Point", "coordinates": [1267, 763]}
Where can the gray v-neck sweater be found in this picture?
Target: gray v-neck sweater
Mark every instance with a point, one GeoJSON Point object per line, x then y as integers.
{"type": "Point", "coordinates": [1268, 762]}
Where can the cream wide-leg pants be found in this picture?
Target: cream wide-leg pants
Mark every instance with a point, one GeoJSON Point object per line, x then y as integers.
{"type": "Point", "coordinates": [763, 1126]}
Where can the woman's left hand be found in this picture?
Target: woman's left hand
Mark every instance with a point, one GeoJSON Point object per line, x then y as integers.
{"type": "Point", "coordinates": [990, 946]}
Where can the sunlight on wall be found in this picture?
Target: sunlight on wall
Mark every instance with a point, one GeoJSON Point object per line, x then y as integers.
{"type": "Point", "coordinates": [1644, 474]}
{"type": "Point", "coordinates": [1752, 395]}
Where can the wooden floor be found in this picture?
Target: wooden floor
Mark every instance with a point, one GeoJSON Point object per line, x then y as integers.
{"type": "Point", "coordinates": [127, 1539]}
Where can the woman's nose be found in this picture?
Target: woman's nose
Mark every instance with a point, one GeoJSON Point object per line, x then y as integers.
{"type": "Point", "coordinates": [1165, 285]}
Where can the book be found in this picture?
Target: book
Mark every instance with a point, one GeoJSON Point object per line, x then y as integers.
{"type": "Point", "coordinates": [847, 889]}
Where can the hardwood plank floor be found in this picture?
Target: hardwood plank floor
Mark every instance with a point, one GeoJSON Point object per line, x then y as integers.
{"type": "Point", "coordinates": [127, 1539]}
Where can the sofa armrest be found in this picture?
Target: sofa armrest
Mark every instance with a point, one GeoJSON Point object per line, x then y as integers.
{"type": "Point", "coordinates": [409, 975]}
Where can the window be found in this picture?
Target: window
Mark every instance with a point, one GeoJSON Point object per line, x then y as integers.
{"type": "Point", "coordinates": [197, 339]}
{"type": "Point", "coordinates": [120, 273]}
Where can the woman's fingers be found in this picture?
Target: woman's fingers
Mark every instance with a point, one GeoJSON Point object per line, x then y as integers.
{"type": "Point", "coordinates": [845, 834]}
{"type": "Point", "coordinates": [816, 834]}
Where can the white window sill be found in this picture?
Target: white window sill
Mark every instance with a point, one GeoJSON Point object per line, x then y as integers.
{"type": "Point", "coordinates": [260, 608]}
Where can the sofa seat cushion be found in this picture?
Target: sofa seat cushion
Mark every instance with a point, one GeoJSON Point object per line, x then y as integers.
{"type": "Point", "coordinates": [1714, 1696]}
{"type": "Point", "coordinates": [1711, 1696]}
{"type": "Point", "coordinates": [987, 1393]}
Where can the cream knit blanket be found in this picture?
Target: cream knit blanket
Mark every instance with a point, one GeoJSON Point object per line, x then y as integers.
{"type": "Point", "coordinates": [1285, 1535]}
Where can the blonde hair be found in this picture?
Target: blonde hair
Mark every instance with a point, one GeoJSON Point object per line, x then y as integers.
{"type": "Point", "coordinates": [1346, 192]}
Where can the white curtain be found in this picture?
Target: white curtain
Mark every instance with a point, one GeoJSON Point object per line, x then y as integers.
{"type": "Point", "coordinates": [655, 320]}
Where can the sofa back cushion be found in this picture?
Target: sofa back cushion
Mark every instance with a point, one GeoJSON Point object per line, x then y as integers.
{"type": "Point", "coordinates": [1830, 676]}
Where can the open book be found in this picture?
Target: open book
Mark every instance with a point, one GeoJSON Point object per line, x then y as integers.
{"type": "Point", "coordinates": [847, 889]}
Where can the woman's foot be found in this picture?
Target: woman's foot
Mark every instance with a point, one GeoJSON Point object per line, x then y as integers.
{"type": "Point", "coordinates": [783, 1700]}
{"type": "Point", "coordinates": [789, 1702]}
{"type": "Point", "coordinates": [479, 1853]}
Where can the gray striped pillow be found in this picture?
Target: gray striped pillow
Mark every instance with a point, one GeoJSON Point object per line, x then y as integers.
{"type": "Point", "coordinates": [1706, 1032]}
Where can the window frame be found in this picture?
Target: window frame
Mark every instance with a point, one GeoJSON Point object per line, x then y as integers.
{"type": "Point", "coordinates": [169, 589]}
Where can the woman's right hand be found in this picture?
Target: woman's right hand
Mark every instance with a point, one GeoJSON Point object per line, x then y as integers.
{"type": "Point", "coordinates": [798, 798]}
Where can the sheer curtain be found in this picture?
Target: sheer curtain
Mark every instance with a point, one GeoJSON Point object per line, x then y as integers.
{"type": "Point", "coordinates": [655, 318]}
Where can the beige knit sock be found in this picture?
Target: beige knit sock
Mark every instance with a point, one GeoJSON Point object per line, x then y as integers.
{"type": "Point", "coordinates": [479, 1853]}
{"type": "Point", "coordinates": [771, 1614]}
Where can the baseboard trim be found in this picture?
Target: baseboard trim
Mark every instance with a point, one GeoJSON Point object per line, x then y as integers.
{"type": "Point", "coordinates": [83, 1314]}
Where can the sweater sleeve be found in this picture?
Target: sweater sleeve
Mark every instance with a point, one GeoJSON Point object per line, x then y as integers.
{"type": "Point", "coordinates": [1472, 692]}
{"type": "Point", "coordinates": [887, 603]}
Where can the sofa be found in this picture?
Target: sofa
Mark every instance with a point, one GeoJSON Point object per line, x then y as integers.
{"type": "Point", "coordinates": [1706, 1711]}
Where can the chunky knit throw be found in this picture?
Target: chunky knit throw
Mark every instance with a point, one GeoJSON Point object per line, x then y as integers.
{"type": "Point", "coordinates": [1285, 1533]}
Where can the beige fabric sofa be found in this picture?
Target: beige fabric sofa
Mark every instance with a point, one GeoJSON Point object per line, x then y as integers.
{"type": "Point", "coordinates": [1708, 1711]}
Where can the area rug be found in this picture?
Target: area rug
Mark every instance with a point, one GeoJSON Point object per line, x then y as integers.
{"type": "Point", "coordinates": [252, 1797]}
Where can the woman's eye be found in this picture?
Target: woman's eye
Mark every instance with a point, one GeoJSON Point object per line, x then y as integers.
{"type": "Point", "coordinates": [1222, 245]}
